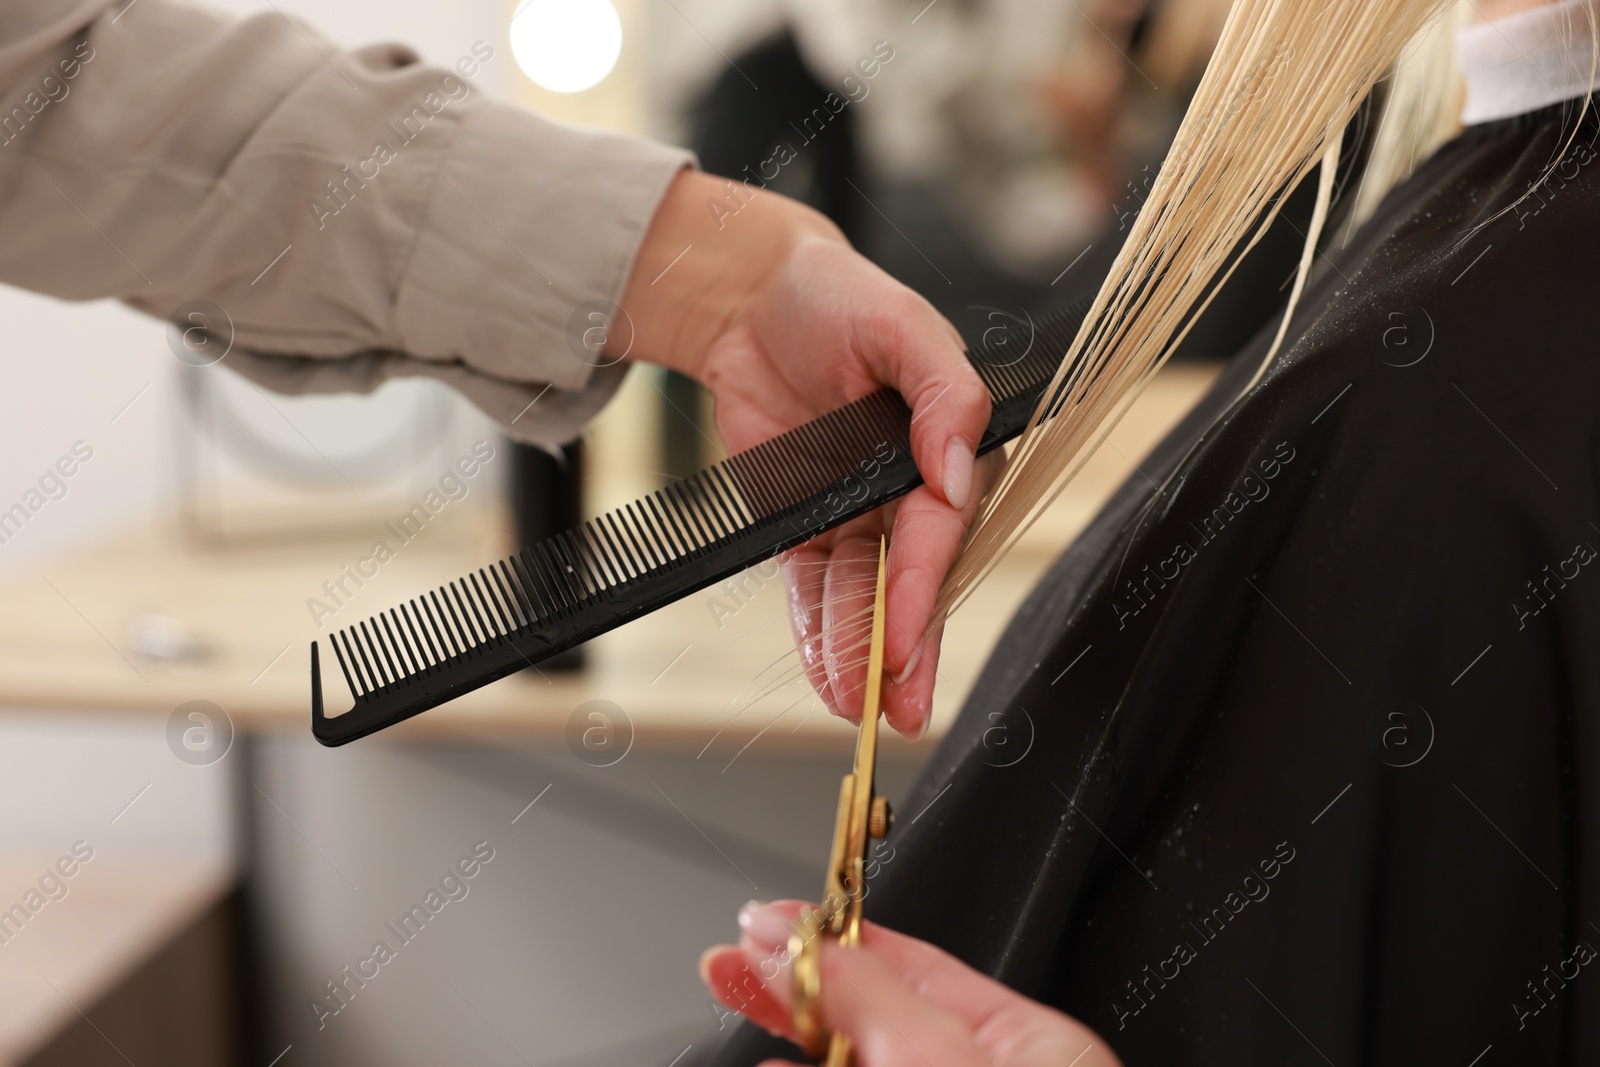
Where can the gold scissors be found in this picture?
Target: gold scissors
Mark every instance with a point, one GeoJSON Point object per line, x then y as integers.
{"type": "Point", "coordinates": [863, 816]}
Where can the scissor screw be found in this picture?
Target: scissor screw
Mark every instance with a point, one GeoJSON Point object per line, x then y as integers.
{"type": "Point", "coordinates": [880, 818]}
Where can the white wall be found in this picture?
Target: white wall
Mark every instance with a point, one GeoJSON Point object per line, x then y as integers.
{"type": "Point", "coordinates": [111, 781]}
{"type": "Point", "coordinates": [69, 370]}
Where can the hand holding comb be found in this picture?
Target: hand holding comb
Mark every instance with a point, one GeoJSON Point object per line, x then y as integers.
{"type": "Point", "coordinates": [694, 533]}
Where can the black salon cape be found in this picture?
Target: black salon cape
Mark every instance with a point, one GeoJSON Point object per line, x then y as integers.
{"type": "Point", "coordinates": [1297, 761]}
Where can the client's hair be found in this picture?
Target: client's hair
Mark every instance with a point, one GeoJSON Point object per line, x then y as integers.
{"type": "Point", "coordinates": [1421, 111]}
{"type": "Point", "coordinates": [1284, 81]}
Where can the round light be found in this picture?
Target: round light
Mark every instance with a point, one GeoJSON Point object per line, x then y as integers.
{"type": "Point", "coordinates": [566, 46]}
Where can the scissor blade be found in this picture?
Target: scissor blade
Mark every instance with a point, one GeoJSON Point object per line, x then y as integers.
{"type": "Point", "coordinates": [867, 742]}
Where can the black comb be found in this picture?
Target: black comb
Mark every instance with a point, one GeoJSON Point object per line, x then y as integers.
{"type": "Point", "coordinates": [689, 535]}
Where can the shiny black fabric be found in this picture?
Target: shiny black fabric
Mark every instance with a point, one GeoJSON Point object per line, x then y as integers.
{"type": "Point", "coordinates": [1297, 760]}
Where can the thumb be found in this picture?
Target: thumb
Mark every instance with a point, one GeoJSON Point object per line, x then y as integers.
{"type": "Point", "coordinates": [903, 1001]}
{"type": "Point", "coordinates": [887, 1023]}
{"type": "Point", "coordinates": [862, 996]}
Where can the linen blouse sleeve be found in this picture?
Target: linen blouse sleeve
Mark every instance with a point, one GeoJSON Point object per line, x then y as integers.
{"type": "Point", "coordinates": [345, 216]}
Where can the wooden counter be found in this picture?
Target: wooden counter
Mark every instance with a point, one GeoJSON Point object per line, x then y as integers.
{"type": "Point", "coordinates": [682, 674]}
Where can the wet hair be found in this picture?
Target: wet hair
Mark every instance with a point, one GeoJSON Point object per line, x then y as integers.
{"type": "Point", "coordinates": [1282, 85]}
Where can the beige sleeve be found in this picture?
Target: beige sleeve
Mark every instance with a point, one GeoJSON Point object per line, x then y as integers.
{"type": "Point", "coordinates": [356, 215]}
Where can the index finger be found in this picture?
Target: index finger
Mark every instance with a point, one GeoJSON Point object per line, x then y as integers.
{"type": "Point", "coordinates": [911, 347]}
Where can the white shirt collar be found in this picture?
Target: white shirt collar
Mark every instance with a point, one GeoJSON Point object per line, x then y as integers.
{"type": "Point", "coordinates": [1526, 61]}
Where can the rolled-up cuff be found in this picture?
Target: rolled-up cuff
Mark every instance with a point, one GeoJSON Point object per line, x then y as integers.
{"type": "Point", "coordinates": [506, 257]}
{"type": "Point", "coordinates": [541, 414]}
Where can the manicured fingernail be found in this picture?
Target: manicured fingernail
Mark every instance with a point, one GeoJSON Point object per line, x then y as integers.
{"type": "Point", "coordinates": [911, 665]}
{"type": "Point", "coordinates": [958, 460]}
{"type": "Point", "coordinates": [922, 731]}
{"type": "Point", "coordinates": [764, 924]}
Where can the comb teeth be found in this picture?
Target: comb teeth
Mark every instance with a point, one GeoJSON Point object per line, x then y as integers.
{"type": "Point", "coordinates": [681, 538]}
{"type": "Point", "coordinates": [1008, 375]}
{"type": "Point", "coordinates": [544, 582]}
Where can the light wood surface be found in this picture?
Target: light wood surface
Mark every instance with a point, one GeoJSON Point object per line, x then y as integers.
{"type": "Point", "coordinates": [685, 677]}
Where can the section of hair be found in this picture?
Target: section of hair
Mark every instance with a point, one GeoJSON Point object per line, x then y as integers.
{"type": "Point", "coordinates": [1421, 111]}
{"type": "Point", "coordinates": [1285, 79]}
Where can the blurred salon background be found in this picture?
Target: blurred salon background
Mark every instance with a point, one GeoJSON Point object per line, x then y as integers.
{"type": "Point", "coordinates": [183, 537]}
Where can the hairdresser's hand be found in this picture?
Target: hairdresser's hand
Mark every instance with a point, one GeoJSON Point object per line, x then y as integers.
{"type": "Point", "coordinates": [899, 1000]}
{"type": "Point", "coordinates": [772, 311]}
